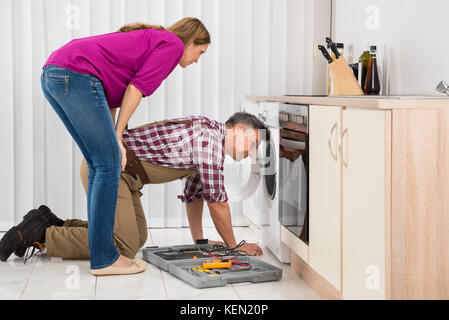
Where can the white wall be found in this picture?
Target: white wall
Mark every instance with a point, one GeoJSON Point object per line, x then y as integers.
{"type": "Point", "coordinates": [308, 25]}
{"type": "Point", "coordinates": [258, 47]}
{"type": "Point", "coordinates": [412, 35]}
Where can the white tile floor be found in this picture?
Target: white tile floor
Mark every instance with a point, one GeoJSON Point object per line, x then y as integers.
{"type": "Point", "coordinates": [43, 277]}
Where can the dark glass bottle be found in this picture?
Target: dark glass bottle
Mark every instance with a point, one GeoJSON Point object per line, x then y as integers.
{"type": "Point", "coordinates": [363, 66]}
{"type": "Point", "coordinates": [372, 83]}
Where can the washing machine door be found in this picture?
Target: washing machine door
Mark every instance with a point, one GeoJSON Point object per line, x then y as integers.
{"type": "Point", "coordinates": [239, 179]}
{"type": "Point", "coordinates": [269, 169]}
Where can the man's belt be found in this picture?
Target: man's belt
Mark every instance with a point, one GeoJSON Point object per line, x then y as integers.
{"type": "Point", "coordinates": [133, 165]}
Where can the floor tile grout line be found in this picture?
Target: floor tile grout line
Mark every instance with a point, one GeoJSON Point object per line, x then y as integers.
{"type": "Point", "coordinates": [163, 283]}
{"type": "Point", "coordinates": [95, 288]}
{"type": "Point", "coordinates": [235, 290]}
{"type": "Point", "coordinates": [151, 236]}
{"type": "Point", "coordinates": [28, 280]}
{"type": "Point", "coordinates": [160, 270]}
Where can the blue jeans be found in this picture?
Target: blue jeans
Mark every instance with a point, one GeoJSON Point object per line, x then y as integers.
{"type": "Point", "coordinates": [80, 103]}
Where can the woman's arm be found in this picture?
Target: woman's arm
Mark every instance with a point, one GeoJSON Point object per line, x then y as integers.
{"type": "Point", "coordinates": [130, 101]}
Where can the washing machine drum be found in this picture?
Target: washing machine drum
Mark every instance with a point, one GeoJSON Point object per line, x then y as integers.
{"type": "Point", "coordinates": [239, 179]}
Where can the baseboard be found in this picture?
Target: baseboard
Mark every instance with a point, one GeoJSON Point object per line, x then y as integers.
{"type": "Point", "coordinates": [254, 228]}
{"type": "Point", "coordinates": [320, 285]}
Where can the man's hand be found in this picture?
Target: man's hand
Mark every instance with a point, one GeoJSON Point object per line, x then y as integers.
{"type": "Point", "coordinates": [251, 249]}
{"type": "Point", "coordinates": [216, 242]}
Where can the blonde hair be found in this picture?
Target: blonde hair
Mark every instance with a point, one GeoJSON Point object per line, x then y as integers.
{"type": "Point", "coordinates": [187, 29]}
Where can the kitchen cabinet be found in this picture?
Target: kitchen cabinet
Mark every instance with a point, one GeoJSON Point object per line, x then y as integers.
{"type": "Point", "coordinates": [378, 197]}
{"type": "Point", "coordinates": [363, 154]}
{"type": "Point", "coordinates": [347, 199]}
{"type": "Point", "coordinates": [325, 183]}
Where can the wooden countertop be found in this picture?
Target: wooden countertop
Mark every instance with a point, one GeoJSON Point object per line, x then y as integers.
{"type": "Point", "coordinates": [371, 102]}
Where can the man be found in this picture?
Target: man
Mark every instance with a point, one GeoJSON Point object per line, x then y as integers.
{"type": "Point", "coordinates": [193, 148]}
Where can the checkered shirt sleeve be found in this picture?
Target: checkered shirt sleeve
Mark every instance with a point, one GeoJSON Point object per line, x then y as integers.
{"type": "Point", "coordinates": [208, 158]}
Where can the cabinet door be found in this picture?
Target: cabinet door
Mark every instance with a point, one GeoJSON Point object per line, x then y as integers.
{"type": "Point", "coordinates": [363, 154]}
{"type": "Point", "coordinates": [325, 193]}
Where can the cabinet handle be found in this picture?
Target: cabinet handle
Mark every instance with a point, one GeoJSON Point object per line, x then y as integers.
{"type": "Point", "coordinates": [334, 154]}
{"type": "Point", "coordinates": [340, 147]}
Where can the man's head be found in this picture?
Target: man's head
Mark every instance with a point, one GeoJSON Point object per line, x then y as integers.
{"type": "Point", "coordinates": [244, 132]}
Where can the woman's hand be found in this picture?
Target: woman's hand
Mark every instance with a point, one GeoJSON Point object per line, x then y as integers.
{"type": "Point", "coordinates": [123, 151]}
{"type": "Point", "coordinates": [130, 101]}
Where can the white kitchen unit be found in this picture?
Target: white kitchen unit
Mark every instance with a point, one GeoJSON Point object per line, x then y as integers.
{"type": "Point", "coordinates": [347, 195]}
{"type": "Point", "coordinates": [364, 214]}
{"type": "Point", "coordinates": [378, 198]}
{"type": "Point", "coordinates": [325, 164]}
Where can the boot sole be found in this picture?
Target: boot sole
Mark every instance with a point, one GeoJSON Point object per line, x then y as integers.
{"type": "Point", "coordinates": [4, 255]}
{"type": "Point", "coordinates": [19, 253]}
{"type": "Point", "coordinates": [27, 216]}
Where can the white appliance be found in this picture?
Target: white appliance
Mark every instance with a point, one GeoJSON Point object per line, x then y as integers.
{"type": "Point", "coordinates": [261, 206]}
{"type": "Point", "coordinates": [239, 181]}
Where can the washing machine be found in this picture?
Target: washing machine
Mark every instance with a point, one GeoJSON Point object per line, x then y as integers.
{"type": "Point", "coordinates": [252, 205]}
{"type": "Point", "coordinates": [269, 186]}
{"type": "Point", "coordinates": [239, 180]}
{"type": "Point", "coordinates": [241, 184]}
{"type": "Point", "coordinates": [261, 203]}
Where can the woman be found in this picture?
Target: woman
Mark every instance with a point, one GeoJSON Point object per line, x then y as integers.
{"type": "Point", "coordinates": [85, 82]}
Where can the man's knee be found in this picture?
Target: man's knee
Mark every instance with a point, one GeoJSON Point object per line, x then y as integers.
{"type": "Point", "coordinates": [84, 173]}
{"type": "Point", "coordinates": [143, 237]}
{"type": "Point", "coordinates": [127, 245]}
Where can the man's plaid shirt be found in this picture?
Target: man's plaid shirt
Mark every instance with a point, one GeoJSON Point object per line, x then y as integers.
{"type": "Point", "coordinates": [198, 147]}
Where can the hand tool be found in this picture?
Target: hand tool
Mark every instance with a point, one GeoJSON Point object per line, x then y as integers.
{"type": "Point", "coordinates": [216, 264]}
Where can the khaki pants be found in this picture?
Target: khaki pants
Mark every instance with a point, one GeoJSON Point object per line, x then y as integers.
{"type": "Point", "coordinates": [130, 227]}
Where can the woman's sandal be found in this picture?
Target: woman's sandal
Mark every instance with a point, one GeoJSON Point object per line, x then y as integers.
{"type": "Point", "coordinates": [138, 266]}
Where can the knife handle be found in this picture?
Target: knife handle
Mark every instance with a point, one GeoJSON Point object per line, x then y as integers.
{"type": "Point", "coordinates": [325, 53]}
{"type": "Point", "coordinates": [333, 46]}
{"type": "Point", "coordinates": [335, 50]}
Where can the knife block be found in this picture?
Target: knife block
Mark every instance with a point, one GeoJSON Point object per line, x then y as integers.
{"type": "Point", "coordinates": [341, 79]}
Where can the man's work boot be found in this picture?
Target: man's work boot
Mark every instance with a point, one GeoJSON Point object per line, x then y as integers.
{"type": "Point", "coordinates": [30, 232]}
{"type": "Point", "coordinates": [51, 217]}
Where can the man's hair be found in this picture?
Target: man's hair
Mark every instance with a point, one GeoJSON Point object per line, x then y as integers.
{"type": "Point", "coordinates": [248, 120]}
